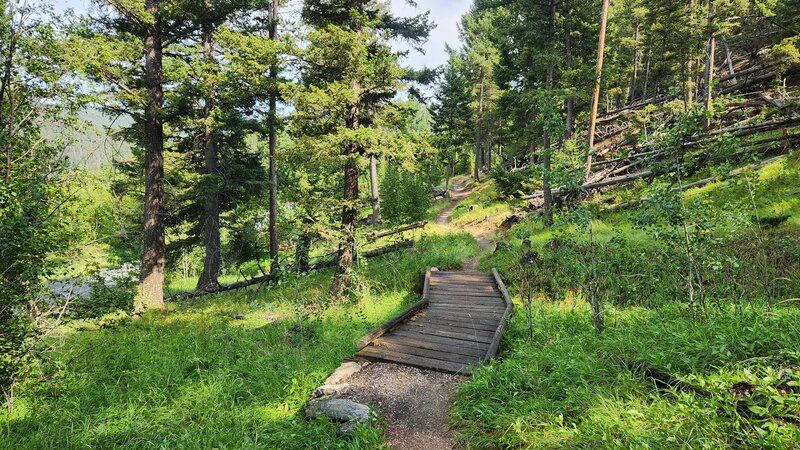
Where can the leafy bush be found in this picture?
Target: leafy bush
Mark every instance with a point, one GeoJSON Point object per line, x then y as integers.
{"type": "Point", "coordinates": [105, 296]}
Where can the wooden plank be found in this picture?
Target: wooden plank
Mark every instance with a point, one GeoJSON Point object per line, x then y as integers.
{"type": "Point", "coordinates": [461, 282]}
{"type": "Point", "coordinates": [474, 310]}
{"type": "Point", "coordinates": [484, 321]}
{"type": "Point", "coordinates": [477, 324]}
{"type": "Point", "coordinates": [421, 341]}
{"type": "Point", "coordinates": [468, 305]}
{"type": "Point", "coordinates": [444, 341]}
{"type": "Point", "coordinates": [424, 352]}
{"type": "Point", "coordinates": [455, 335]}
{"type": "Point", "coordinates": [386, 327]}
{"type": "Point", "coordinates": [438, 292]}
{"type": "Point", "coordinates": [508, 312]}
{"type": "Point", "coordinates": [446, 313]}
{"type": "Point", "coordinates": [452, 328]}
{"type": "Point", "coordinates": [465, 298]}
{"type": "Point", "coordinates": [469, 290]}
{"type": "Point", "coordinates": [412, 360]}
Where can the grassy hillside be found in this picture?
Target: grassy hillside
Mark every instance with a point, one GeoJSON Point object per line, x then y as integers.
{"type": "Point", "coordinates": [561, 384]}
{"type": "Point", "coordinates": [230, 371]}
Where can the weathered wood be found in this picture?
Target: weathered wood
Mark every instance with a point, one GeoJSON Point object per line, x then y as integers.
{"type": "Point", "coordinates": [383, 234]}
{"type": "Point", "coordinates": [412, 360]}
{"type": "Point", "coordinates": [462, 318]}
{"type": "Point", "coordinates": [456, 324]}
{"type": "Point", "coordinates": [487, 323]}
{"type": "Point", "coordinates": [424, 352]}
{"type": "Point", "coordinates": [383, 329]}
{"type": "Point", "coordinates": [445, 341]}
{"type": "Point", "coordinates": [440, 291]}
{"type": "Point", "coordinates": [420, 341]}
{"type": "Point", "coordinates": [501, 328]}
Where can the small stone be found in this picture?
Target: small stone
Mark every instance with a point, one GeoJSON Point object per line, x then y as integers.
{"type": "Point", "coordinates": [337, 409]}
{"type": "Point", "coordinates": [238, 316]}
{"type": "Point", "coordinates": [344, 371]}
{"type": "Point", "coordinates": [328, 390]}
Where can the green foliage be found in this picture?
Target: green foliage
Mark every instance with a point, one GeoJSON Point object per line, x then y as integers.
{"type": "Point", "coordinates": [36, 183]}
{"type": "Point", "coordinates": [406, 196]}
{"type": "Point", "coordinates": [541, 396]}
{"type": "Point", "coordinates": [225, 382]}
{"type": "Point", "coordinates": [106, 296]}
{"type": "Point", "coordinates": [512, 184]}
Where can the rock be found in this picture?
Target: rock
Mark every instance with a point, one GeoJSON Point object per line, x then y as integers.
{"type": "Point", "coordinates": [348, 428]}
{"type": "Point", "coordinates": [344, 371]}
{"type": "Point", "coordinates": [328, 390]}
{"type": "Point", "coordinates": [473, 207]}
{"type": "Point", "coordinates": [337, 409]}
{"type": "Point", "coordinates": [238, 316]}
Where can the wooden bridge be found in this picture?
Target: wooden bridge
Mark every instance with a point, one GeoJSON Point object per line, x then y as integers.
{"type": "Point", "coordinates": [459, 323]}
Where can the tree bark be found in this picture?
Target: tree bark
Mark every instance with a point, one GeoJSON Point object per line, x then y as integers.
{"type": "Point", "coordinates": [712, 44]}
{"type": "Point", "coordinates": [375, 192]}
{"type": "Point", "coordinates": [546, 145]}
{"type": "Point", "coordinates": [6, 88]}
{"type": "Point", "coordinates": [273, 145]}
{"type": "Point", "coordinates": [635, 77]}
{"type": "Point", "coordinates": [343, 279]}
{"type": "Point", "coordinates": [212, 264]}
{"type": "Point", "coordinates": [688, 96]}
{"type": "Point", "coordinates": [569, 123]}
{"type": "Point", "coordinates": [601, 44]}
{"type": "Point", "coordinates": [150, 293]}
{"type": "Point", "coordinates": [478, 134]}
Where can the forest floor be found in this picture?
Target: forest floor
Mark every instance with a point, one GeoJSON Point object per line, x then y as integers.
{"type": "Point", "coordinates": [415, 403]}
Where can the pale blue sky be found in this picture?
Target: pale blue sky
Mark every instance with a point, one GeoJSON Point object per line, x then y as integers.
{"type": "Point", "coordinates": [446, 14]}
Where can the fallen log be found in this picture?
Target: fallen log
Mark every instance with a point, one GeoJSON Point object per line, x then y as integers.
{"type": "Point", "coordinates": [383, 234]}
{"type": "Point", "coordinates": [368, 254]}
{"type": "Point", "coordinates": [663, 380]}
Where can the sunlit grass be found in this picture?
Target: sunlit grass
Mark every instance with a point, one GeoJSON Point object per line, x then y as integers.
{"type": "Point", "coordinates": [228, 371]}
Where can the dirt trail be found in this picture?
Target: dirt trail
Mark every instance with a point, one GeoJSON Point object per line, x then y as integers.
{"type": "Point", "coordinates": [415, 403]}
{"type": "Point", "coordinates": [481, 235]}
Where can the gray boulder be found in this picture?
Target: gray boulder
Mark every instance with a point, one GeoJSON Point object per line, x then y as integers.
{"type": "Point", "coordinates": [337, 409]}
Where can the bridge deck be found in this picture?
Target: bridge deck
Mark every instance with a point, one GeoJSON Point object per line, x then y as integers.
{"type": "Point", "coordinates": [458, 324]}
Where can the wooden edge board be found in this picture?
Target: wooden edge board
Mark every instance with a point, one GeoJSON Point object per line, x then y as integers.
{"type": "Point", "coordinates": [386, 327]}
{"type": "Point", "coordinates": [498, 336]}
{"type": "Point", "coordinates": [442, 355]}
{"type": "Point", "coordinates": [374, 353]}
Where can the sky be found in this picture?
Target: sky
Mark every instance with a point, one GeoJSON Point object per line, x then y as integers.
{"type": "Point", "coordinates": [445, 13]}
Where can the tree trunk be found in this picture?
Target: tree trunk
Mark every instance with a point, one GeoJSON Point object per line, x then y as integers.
{"type": "Point", "coordinates": [712, 43]}
{"type": "Point", "coordinates": [343, 278]}
{"type": "Point", "coordinates": [646, 76]}
{"type": "Point", "coordinates": [478, 134]}
{"type": "Point", "coordinates": [150, 293]}
{"type": "Point", "coordinates": [688, 96]}
{"type": "Point", "coordinates": [212, 264]}
{"type": "Point", "coordinates": [729, 59]}
{"type": "Point", "coordinates": [601, 44]}
{"type": "Point", "coordinates": [273, 144]}
{"type": "Point", "coordinates": [301, 260]}
{"type": "Point", "coordinates": [634, 79]}
{"type": "Point", "coordinates": [569, 124]}
{"type": "Point", "coordinates": [6, 88]}
{"type": "Point", "coordinates": [375, 192]}
{"type": "Point", "coordinates": [546, 157]}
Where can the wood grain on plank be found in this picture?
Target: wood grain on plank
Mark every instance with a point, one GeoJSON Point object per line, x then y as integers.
{"type": "Point", "coordinates": [412, 360]}
{"type": "Point", "coordinates": [420, 341]}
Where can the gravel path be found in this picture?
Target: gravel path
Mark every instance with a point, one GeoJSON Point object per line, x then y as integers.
{"type": "Point", "coordinates": [413, 402]}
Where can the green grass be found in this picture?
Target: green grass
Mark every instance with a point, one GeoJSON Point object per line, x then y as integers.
{"type": "Point", "coordinates": [568, 387]}
{"type": "Point", "coordinates": [194, 377]}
